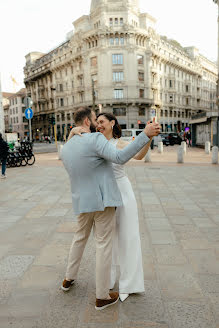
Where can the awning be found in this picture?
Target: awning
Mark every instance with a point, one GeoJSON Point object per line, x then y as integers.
{"type": "Point", "coordinates": [198, 120]}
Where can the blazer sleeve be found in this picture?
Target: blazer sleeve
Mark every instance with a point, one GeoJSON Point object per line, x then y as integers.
{"type": "Point", "coordinates": [104, 149]}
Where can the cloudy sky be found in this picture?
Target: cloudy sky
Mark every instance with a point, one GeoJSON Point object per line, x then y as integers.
{"type": "Point", "coordinates": [40, 25]}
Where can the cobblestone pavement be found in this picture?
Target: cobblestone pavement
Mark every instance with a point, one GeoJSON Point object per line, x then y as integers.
{"type": "Point", "coordinates": [179, 226]}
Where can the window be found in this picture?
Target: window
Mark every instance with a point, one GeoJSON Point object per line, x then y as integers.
{"type": "Point", "coordinates": [141, 112]}
{"type": "Point", "coordinates": [61, 102]}
{"type": "Point", "coordinates": [68, 116]}
{"type": "Point", "coordinates": [117, 59]}
{"type": "Point", "coordinates": [116, 21]}
{"type": "Point", "coordinates": [16, 110]}
{"type": "Point", "coordinates": [119, 111]}
{"type": "Point", "coordinates": [187, 88]}
{"type": "Point", "coordinates": [141, 93]}
{"type": "Point", "coordinates": [171, 83]}
{"type": "Point", "coordinates": [117, 40]}
{"type": "Point", "coordinates": [121, 21]}
{"type": "Point", "coordinates": [60, 87]}
{"type": "Point", "coordinates": [141, 76]}
{"type": "Point", "coordinates": [140, 59]}
{"type": "Point", "coordinates": [170, 98]}
{"type": "Point", "coordinates": [93, 61]}
{"type": "Point", "coordinates": [118, 76]}
{"type": "Point", "coordinates": [111, 22]}
{"type": "Point", "coordinates": [111, 41]}
{"type": "Point", "coordinates": [121, 40]}
{"type": "Point", "coordinates": [118, 93]}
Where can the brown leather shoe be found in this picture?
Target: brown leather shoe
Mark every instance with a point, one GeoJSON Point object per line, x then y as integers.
{"type": "Point", "coordinates": [66, 285]}
{"type": "Point", "coordinates": [102, 304]}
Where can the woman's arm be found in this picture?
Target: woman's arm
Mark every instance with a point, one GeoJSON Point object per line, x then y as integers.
{"type": "Point", "coordinates": [141, 154]}
{"type": "Point", "coordinates": [76, 131]}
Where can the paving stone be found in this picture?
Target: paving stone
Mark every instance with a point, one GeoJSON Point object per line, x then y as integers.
{"type": "Point", "coordinates": [27, 302]}
{"type": "Point", "coordinates": [67, 227]}
{"type": "Point", "coordinates": [204, 223]}
{"type": "Point", "coordinates": [203, 261]}
{"type": "Point", "coordinates": [196, 244]}
{"type": "Point", "coordinates": [14, 266]}
{"type": "Point", "coordinates": [162, 237]}
{"type": "Point", "coordinates": [41, 277]}
{"type": "Point", "coordinates": [181, 220]}
{"type": "Point", "coordinates": [143, 324]}
{"type": "Point", "coordinates": [149, 304]}
{"type": "Point", "coordinates": [214, 298]}
{"type": "Point", "coordinates": [6, 287]}
{"type": "Point", "coordinates": [209, 282]}
{"type": "Point", "coordinates": [48, 257]}
{"type": "Point", "coordinates": [168, 254]}
{"type": "Point", "coordinates": [212, 234]}
{"type": "Point", "coordinates": [191, 315]}
{"type": "Point", "coordinates": [5, 226]}
{"type": "Point", "coordinates": [158, 224]}
{"type": "Point", "coordinates": [178, 282]}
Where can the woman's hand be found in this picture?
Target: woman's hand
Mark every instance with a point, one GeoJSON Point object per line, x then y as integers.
{"type": "Point", "coordinates": [76, 131]}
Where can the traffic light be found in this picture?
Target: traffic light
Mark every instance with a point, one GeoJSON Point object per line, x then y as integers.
{"type": "Point", "coordinates": [52, 120]}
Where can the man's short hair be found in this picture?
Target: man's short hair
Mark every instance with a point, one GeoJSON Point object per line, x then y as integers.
{"type": "Point", "coordinates": [81, 114]}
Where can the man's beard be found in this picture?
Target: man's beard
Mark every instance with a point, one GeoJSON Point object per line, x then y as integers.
{"type": "Point", "coordinates": [92, 128]}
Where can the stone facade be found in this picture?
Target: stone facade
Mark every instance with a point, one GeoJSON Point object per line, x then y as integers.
{"type": "Point", "coordinates": [5, 104]}
{"type": "Point", "coordinates": [115, 58]}
{"type": "Point", "coordinates": [16, 118]}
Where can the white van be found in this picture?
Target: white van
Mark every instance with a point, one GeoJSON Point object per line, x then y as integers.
{"type": "Point", "coordinates": [130, 134]}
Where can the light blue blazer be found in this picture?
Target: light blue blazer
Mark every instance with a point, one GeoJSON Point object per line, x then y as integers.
{"type": "Point", "coordinates": [87, 160]}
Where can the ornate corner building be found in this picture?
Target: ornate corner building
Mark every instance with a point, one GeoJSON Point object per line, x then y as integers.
{"type": "Point", "coordinates": [116, 59]}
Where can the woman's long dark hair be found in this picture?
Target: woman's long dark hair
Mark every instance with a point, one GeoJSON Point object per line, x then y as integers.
{"type": "Point", "coordinates": [116, 128]}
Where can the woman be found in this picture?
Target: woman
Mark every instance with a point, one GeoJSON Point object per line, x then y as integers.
{"type": "Point", "coordinates": [126, 245]}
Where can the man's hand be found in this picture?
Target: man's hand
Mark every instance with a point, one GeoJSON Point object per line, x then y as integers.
{"type": "Point", "coordinates": [152, 129]}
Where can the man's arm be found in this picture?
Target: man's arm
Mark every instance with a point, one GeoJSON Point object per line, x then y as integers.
{"type": "Point", "coordinates": [108, 151]}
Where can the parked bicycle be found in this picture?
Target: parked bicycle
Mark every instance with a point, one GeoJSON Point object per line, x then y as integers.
{"type": "Point", "coordinates": [21, 156]}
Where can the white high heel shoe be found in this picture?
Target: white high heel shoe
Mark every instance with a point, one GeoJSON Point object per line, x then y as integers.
{"type": "Point", "coordinates": [123, 297]}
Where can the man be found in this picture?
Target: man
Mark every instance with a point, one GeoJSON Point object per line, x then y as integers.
{"type": "Point", "coordinates": [95, 196]}
{"type": "Point", "coordinates": [3, 155]}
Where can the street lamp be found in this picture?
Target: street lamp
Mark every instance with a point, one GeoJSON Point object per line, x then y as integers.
{"type": "Point", "coordinates": [217, 89]}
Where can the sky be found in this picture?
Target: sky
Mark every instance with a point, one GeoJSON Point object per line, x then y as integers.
{"type": "Point", "coordinates": [41, 25]}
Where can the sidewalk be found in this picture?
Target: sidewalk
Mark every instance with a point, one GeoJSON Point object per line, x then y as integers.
{"type": "Point", "coordinates": [179, 225]}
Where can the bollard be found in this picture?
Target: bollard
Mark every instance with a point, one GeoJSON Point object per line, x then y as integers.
{"type": "Point", "coordinates": [183, 144]}
{"type": "Point", "coordinates": [180, 155]}
{"type": "Point", "coordinates": [207, 147]}
{"type": "Point", "coordinates": [60, 151]}
{"type": "Point", "coordinates": [147, 157]}
{"type": "Point", "coordinates": [160, 147]}
{"type": "Point", "coordinates": [215, 155]}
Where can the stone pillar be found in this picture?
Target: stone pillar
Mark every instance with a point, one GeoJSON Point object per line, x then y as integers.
{"type": "Point", "coordinates": [60, 151]}
{"type": "Point", "coordinates": [215, 155]}
{"type": "Point", "coordinates": [160, 147]}
{"type": "Point", "coordinates": [180, 155]}
{"type": "Point", "coordinates": [183, 145]}
{"type": "Point", "coordinates": [207, 147]}
{"type": "Point", "coordinates": [147, 158]}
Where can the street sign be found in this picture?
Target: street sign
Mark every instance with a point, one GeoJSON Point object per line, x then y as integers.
{"type": "Point", "coordinates": [28, 113]}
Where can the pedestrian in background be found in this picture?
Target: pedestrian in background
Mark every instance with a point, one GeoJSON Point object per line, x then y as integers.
{"type": "Point", "coordinates": [3, 155]}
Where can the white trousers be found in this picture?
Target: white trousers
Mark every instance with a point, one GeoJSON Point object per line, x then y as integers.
{"type": "Point", "coordinates": [126, 243]}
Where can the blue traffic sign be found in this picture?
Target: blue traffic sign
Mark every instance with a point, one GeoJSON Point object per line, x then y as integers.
{"type": "Point", "coordinates": [28, 113]}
